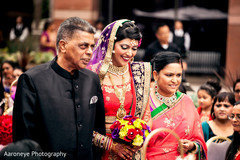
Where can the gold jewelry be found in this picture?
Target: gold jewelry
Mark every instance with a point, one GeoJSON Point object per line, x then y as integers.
{"type": "Point", "coordinates": [118, 71]}
{"type": "Point", "coordinates": [132, 60]}
{"type": "Point", "coordinates": [121, 112]}
{"type": "Point", "coordinates": [133, 42]}
{"type": "Point", "coordinates": [167, 100]}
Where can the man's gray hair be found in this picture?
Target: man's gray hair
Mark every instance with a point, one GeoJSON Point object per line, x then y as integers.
{"type": "Point", "coordinates": [68, 27]}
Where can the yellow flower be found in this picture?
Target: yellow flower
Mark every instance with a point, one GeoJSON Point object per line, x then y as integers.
{"type": "Point", "coordinates": [123, 122]}
{"type": "Point", "coordinates": [129, 127]}
{"type": "Point", "coordinates": [124, 130]}
{"type": "Point", "coordinates": [146, 133]}
{"type": "Point", "coordinates": [137, 123]}
{"type": "Point", "coordinates": [138, 140]}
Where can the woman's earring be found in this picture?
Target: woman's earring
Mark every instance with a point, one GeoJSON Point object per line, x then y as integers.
{"type": "Point", "coordinates": [132, 60]}
{"type": "Point", "coordinates": [113, 52]}
{"type": "Point", "coordinates": [213, 115]}
{"type": "Point", "coordinates": [156, 86]}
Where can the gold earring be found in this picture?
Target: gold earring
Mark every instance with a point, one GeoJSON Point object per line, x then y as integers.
{"type": "Point", "coordinates": [132, 60]}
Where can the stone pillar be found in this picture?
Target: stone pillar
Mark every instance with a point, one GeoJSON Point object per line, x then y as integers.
{"type": "Point", "coordinates": [233, 41]}
{"type": "Point", "coordinates": [85, 9]}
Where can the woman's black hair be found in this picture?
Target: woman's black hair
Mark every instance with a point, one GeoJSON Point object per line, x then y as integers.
{"type": "Point", "coordinates": [212, 87]}
{"type": "Point", "coordinates": [237, 103]}
{"type": "Point", "coordinates": [161, 59]}
{"type": "Point", "coordinates": [235, 83]}
{"type": "Point", "coordinates": [47, 24]}
{"type": "Point", "coordinates": [221, 97]}
{"type": "Point", "coordinates": [215, 84]}
{"type": "Point", "coordinates": [128, 30]}
{"type": "Point", "coordinates": [13, 64]}
{"type": "Point", "coordinates": [182, 88]}
{"type": "Point", "coordinates": [233, 147]}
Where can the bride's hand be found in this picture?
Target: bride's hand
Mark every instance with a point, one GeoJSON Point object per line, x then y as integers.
{"type": "Point", "coordinates": [122, 150]}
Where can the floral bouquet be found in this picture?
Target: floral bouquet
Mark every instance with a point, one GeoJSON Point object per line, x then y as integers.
{"type": "Point", "coordinates": [5, 129]}
{"type": "Point", "coordinates": [130, 130]}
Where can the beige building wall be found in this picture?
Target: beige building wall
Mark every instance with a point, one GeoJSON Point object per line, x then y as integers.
{"type": "Point", "coordinates": [85, 9]}
{"type": "Point", "coordinates": [233, 39]}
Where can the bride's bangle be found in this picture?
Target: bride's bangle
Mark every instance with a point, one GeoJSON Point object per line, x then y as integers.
{"type": "Point", "coordinates": [101, 141]}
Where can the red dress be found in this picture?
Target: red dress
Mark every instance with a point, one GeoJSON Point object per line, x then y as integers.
{"type": "Point", "coordinates": [111, 103]}
{"type": "Point", "coordinates": [202, 116]}
{"type": "Point", "coordinates": [237, 156]}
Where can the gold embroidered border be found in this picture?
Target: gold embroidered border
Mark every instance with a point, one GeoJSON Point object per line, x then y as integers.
{"type": "Point", "coordinates": [142, 78]}
{"type": "Point", "coordinates": [110, 119]}
{"type": "Point", "coordinates": [167, 109]}
{"type": "Point", "coordinates": [147, 81]}
{"type": "Point", "coordinates": [108, 122]}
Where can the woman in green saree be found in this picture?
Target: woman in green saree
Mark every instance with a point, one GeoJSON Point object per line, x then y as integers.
{"type": "Point", "coordinates": [173, 110]}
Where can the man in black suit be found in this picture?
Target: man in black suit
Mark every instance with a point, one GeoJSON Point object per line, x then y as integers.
{"type": "Point", "coordinates": [58, 104]}
{"type": "Point", "coordinates": [161, 44]}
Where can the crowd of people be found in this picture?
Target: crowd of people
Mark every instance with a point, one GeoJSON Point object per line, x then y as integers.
{"type": "Point", "coordinates": [66, 108]}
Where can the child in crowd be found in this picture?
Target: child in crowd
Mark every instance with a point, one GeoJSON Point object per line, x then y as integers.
{"type": "Point", "coordinates": [206, 94]}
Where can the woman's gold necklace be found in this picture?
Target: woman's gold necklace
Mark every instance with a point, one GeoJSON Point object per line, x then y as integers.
{"type": "Point", "coordinates": [121, 112]}
{"type": "Point", "coordinates": [169, 101]}
{"type": "Point", "coordinates": [118, 71]}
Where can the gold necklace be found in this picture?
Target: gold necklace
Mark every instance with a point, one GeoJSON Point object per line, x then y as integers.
{"type": "Point", "coordinates": [121, 112]}
{"type": "Point", "coordinates": [169, 101]}
{"type": "Point", "coordinates": [118, 71]}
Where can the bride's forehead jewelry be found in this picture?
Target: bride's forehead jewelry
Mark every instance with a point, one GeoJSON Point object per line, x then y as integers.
{"type": "Point", "coordinates": [133, 42]}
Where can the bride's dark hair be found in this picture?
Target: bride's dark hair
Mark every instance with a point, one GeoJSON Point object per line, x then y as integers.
{"type": "Point", "coordinates": [128, 30]}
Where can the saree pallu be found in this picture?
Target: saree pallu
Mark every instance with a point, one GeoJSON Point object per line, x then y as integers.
{"type": "Point", "coordinates": [183, 119]}
{"type": "Point", "coordinates": [135, 104]}
{"type": "Point", "coordinates": [237, 156]}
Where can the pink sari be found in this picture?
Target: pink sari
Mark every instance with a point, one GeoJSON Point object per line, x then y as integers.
{"type": "Point", "coordinates": [183, 119]}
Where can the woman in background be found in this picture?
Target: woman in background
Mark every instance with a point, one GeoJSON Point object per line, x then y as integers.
{"type": "Point", "coordinates": [7, 68]}
{"type": "Point", "coordinates": [48, 38]}
{"type": "Point", "coordinates": [233, 152]}
{"type": "Point", "coordinates": [173, 110]}
{"type": "Point", "coordinates": [236, 90]}
{"type": "Point", "coordinates": [220, 125]}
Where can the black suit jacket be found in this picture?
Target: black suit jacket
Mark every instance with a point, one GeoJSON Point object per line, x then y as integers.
{"type": "Point", "coordinates": [155, 47]}
{"type": "Point", "coordinates": [57, 110]}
